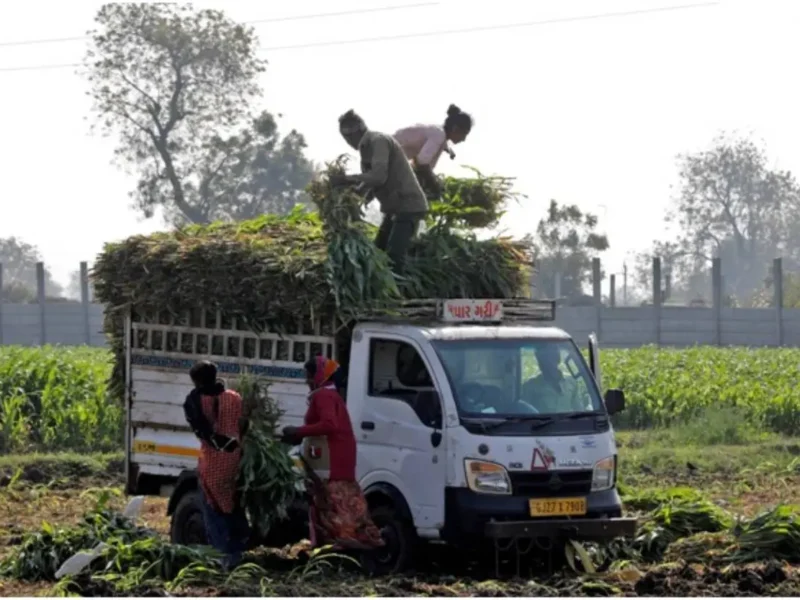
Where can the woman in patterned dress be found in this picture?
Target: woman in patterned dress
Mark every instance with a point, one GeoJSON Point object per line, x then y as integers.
{"type": "Point", "coordinates": [339, 512]}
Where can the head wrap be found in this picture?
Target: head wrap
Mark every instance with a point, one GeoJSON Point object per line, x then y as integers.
{"type": "Point", "coordinates": [326, 367]}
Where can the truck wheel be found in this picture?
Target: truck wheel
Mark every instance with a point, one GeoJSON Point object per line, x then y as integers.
{"type": "Point", "coordinates": [400, 539]}
{"type": "Point", "coordinates": [188, 527]}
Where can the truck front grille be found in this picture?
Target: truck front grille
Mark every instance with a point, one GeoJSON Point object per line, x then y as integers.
{"type": "Point", "coordinates": [544, 484]}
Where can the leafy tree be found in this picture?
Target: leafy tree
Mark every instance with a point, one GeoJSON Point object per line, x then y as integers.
{"type": "Point", "coordinates": [19, 271]}
{"type": "Point", "coordinates": [565, 242]}
{"type": "Point", "coordinates": [732, 205]}
{"type": "Point", "coordinates": [176, 86]}
{"type": "Point", "coordinates": [251, 173]}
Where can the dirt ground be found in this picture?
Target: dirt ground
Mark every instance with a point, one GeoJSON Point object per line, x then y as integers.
{"type": "Point", "coordinates": [47, 491]}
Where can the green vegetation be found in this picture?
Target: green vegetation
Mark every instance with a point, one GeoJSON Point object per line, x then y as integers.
{"type": "Point", "coordinates": [700, 530]}
{"type": "Point", "coordinates": [306, 270]}
{"type": "Point", "coordinates": [688, 386]}
{"type": "Point", "coordinates": [676, 524]}
{"type": "Point", "coordinates": [54, 398]}
{"type": "Point", "coordinates": [267, 478]}
{"type": "Point", "coordinates": [706, 464]}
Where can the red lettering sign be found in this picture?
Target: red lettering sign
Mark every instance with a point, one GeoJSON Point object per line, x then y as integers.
{"type": "Point", "coordinates": [459, 312]}
{"type": "Point", "coordinates": [488, 309]}
{"type": "Point", "coordinates": [473, 310]}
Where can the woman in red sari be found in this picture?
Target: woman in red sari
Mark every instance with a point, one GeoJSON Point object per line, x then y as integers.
{"type": "Point", "coordinates": [339, 513]}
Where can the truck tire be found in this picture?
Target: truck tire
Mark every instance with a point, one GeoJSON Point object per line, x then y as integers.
{"type": "Point", "coordinates": [187, 526]}
{"type": "Point", "coordinates": [400, 538]}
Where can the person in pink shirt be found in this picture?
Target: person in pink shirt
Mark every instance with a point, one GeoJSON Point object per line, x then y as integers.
{"type": "Point", "coordinates": [424, 144]}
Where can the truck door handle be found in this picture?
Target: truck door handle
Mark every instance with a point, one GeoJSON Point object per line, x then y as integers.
{"type": "Point", "coordinates": [367, 425]}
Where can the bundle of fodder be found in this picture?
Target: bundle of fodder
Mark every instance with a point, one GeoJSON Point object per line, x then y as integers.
{"type": "Point", "coordinates": [268, 481]}
{"type": "Point", "coordinates": [474, 202]}
{"type": "Point", "coordinates": [772, 534]}
{"type": "Point", "coordinates": [448, 263]}
{"type": "Point", "coordinates": [359, 276]}
{"type": "Point", "coordinates": [267, 271]}
{"type": "Point", "coordinates": [669, 515]}
{"type": "Point", "coordinates": [704, 547]}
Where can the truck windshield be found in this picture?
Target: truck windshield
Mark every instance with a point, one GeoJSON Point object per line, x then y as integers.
{"type": "Point", "coordinates": [518, 378]}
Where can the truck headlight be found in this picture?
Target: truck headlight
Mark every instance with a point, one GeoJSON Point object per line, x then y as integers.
{"type": "Point", "coordinates": [604, 474]}
{"type": "Point", "coordinates": [487, 477]}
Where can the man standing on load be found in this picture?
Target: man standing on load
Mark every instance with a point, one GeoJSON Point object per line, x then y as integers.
{"type": "Point", "coordinates": [216, 416]}
{"type": "Point", "coordinates": [387, 175]}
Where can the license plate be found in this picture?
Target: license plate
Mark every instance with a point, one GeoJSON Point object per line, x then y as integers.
{"type": "Point", "coordinates": [144, 447]}
{"type": "Point", "coordinates": [558, 507]}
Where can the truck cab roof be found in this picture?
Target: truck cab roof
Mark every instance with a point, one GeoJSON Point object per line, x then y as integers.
{"type": "Point", "coordinates": [468, 319]}
{"type": "Point", "coordinates": [467, 332]}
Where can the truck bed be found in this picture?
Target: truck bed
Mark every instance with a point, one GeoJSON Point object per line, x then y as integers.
{"type": "Point", "coordinates": [159, 443]}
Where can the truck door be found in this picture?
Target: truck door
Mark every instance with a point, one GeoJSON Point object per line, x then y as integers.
{"type": "Point", "coordinates": [594, 361]}
{"type": "Point", "coordinates": [397, 419]}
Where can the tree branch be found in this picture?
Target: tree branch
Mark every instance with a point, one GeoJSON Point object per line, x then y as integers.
{"type": "Point", "coordinates": [152, 100]}
{"type": "Point", "coordinates": [174, 113]}
{"type": "Point", "coordinates": [193, 214]}
{"type": "Point", "coordinates": [124, 114]}
{"type": "Point", "coordinates": [205, 183]}
{"type": "Point", "coordinates": [726, 208]}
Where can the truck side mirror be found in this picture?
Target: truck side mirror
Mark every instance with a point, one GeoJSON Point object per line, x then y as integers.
{"type": "Point", "coordinates": [615, 401]}
{"type": "Point", "coordinates": [428, 407]}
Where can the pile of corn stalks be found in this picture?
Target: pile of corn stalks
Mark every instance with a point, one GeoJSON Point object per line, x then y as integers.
{"type": "Point", "coordinates": [679, 524]}
{"type": "Point", "coordinates": [117, 547]}
{"type": "Point", "coordinates": [268, 271]}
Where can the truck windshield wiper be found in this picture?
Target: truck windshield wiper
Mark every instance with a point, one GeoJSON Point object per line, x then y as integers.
{"type": "Point", "coordinates": [506, 420]}
{"type": "Point", "coordinates": [568, 417]}
{"type": "Point", "coordinates": [539, 421]}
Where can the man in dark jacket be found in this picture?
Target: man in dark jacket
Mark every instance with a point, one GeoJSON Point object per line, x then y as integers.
{"type": "Point", "coordinates": [387, 175]}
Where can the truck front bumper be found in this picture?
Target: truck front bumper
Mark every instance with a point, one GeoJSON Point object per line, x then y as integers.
{"type": "Point", "coordinates": [575, 529]}
{"type": "Point", "coordinates": [469, 515]}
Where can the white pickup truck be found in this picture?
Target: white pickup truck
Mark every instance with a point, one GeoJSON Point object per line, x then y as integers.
{"type": "Point", "coordinates": [474, 420]}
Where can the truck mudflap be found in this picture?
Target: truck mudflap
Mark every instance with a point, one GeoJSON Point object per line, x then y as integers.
{"type": "Point", "coordinates": [597, 530]}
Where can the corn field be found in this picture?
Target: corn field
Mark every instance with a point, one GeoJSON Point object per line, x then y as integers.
{"type": "Point", "coordinates": [725, 525]}
{"type": "Point", "coordinates": [665, 386]}
{"type": "Point", "coordinates": [54, 398]}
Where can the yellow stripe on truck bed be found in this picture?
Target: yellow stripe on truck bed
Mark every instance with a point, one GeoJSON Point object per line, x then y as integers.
{"type": "Point", "coordinates": [145, 447]}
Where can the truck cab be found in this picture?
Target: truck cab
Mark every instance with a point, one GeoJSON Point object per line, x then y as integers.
{"type": "Point", "coordinates": [475, 420]}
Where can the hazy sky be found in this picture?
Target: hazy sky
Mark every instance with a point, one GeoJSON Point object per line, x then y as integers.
{"type": "Point", "coordinates": [591, 112]}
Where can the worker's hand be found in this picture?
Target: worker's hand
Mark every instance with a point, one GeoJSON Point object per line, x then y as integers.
{"type": "Point", "coordinates": [289, 436]}
{"type": "Point", "coordinates": [364, 190]}
{"type": "Point", "coordinates": [338, 179]}
{"type": "Point", "coordinates": [223, 443]}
